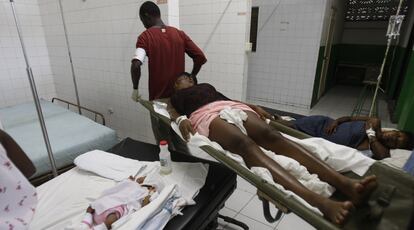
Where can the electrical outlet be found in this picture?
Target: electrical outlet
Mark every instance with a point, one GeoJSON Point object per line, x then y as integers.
{"type": "Point", "coordinates": [110, 110]}
{"type": "Point", "coordinates": [248, 46]}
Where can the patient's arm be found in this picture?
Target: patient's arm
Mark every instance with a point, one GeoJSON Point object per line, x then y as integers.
{"type": "Point", "coordinates": [185, 126]}
{"type": "Point", "coordinates": [171, 110]}
{"type": "Point", "coordinates": [17, 155]}
{"type": "Point", "coordinates": [375, 123]}
{"type": "Point", "coordinates": [378, 150]}
{"type": "Point", "coordinates": [261, 112]}
{"type": "Point", "coordinates": [355, 118]}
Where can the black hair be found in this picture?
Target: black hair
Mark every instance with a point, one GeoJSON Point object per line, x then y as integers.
{"type": "Point", "coordinates": [149, 8]}
{"type": "Point", "coordinates": [190, 76]}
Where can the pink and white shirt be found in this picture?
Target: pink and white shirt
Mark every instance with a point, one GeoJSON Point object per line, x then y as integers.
{"type": "Point", "coordinates": [18, 197]}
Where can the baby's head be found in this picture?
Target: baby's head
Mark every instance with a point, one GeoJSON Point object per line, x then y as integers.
{"type": "Point", "coordinates": [185, 80]}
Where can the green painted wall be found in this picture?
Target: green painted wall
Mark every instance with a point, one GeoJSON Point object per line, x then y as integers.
{"type": "Point", "coordinates": [394, 73]}
{"type": "Point", "coordinates": [405, 105]}
{"type": "Point", "coordinates": [359, 55]}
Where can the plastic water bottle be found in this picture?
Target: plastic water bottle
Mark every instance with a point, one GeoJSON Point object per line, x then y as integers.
{"type": "Point", "coordinates": [165, 158]}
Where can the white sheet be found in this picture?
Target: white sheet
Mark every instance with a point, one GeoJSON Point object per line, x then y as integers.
{"type": "Point", "coordinates": [398, 158]}
{"type": "Point", "coordinates": [339, 157]}
{"type": "Point", "coordinates": [189, 177]}
{"type": "Point", "coordinates": [63, 200]}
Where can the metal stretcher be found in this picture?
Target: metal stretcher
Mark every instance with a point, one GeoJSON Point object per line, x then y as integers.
{"type": "Point", "coordinates": [390, 206]}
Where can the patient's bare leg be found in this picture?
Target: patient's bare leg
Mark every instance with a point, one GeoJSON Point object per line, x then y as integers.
{"type": "Point", "coordinates": [271, 139]}
{"type": "Point", "coordinates": [232, 139]}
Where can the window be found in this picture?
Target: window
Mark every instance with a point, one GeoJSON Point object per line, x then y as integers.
{"type": "Point", "coordinates": [373, 10]}
{"type": "Point", "coordinates": [253, 27]}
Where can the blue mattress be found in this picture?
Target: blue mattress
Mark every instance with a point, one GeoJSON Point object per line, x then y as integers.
{"type": "Point", "coordinates": [70, 134]}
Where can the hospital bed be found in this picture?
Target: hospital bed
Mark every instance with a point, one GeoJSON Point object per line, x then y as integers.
{"type": "Point", "coordinates": [56, 209]}
{"type": "Point", "coordinates": [390, 206]}
{"type": "Point", "coordinates": [70, 134]}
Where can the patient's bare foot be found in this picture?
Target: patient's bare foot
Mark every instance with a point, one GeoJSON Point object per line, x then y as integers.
{"type": "Point", "coordinates": [336, 212]}
{"type": "Point", "coordinates": [360, 189]}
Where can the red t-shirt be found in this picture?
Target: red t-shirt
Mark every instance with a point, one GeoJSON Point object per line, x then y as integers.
{"type": "Point", "coordinates": [165, 48]}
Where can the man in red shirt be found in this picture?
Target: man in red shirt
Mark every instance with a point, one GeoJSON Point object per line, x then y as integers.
{"type": "Point", "coordinates": [165, 47]}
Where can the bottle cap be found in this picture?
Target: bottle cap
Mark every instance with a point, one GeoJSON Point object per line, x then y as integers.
{"type": "Point", "coordinates": [163, 142]}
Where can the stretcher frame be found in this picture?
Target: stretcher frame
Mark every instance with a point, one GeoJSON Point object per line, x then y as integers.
{"type": "Point", "coordinates": [269, 193]}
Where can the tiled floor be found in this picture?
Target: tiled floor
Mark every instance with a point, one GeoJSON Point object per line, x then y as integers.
{"type": "Point", "coordinates": [337, 102]}
{"type": "Point", "coordinates": [340, 101]}
{"type": "Point", "coordinates": [244, 204]}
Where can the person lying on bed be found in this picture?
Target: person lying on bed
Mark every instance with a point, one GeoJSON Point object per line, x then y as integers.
{"type": "Point", "coordinates": [124, 198]}
{"type": "Point", "coordinates": [202, 104]}
{"type": "Point", "coordinates": [362, 133]}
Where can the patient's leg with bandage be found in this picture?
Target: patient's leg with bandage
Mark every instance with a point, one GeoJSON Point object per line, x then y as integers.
{"type": "Point", "coordinates": [233, 140]}
{"type": "Point", "coordinates": [268, 138]}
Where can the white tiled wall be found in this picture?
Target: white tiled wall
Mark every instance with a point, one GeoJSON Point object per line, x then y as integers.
{"type": "Point", "coordinates": [174, 13]}
{"type": "Point", "coordinates": [282, 71]}
{"type": "Point", "coordinates": [14, 84]}
{"type": "Point", "coordinates": [102, 36]}
{"type": "Point", "coordinates": [219, 27]}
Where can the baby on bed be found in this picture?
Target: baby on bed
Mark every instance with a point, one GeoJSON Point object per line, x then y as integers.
{"type": "Point", "coordinates": [198, 107]}
{"type": "Point", "coordinates": [124, 198]}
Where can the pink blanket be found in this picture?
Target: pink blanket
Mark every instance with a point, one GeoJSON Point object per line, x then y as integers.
{"type": "Point", "coordinates": [201, 118]}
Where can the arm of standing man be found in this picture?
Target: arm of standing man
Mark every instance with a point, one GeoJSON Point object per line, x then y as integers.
{"type": "Point", "coordinates": [135, 76]}
{"type": "Point", "coordinates": [136, 63]}
{"type": "Point", "coordinates": [192, 50]}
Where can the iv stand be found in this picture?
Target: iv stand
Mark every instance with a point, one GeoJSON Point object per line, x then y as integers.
{"type": "Point", "coordinates": [70, 56]}
{"type": "Point", "coordinates": [392, 33]}
{"type": "Point", "coordinates": [35, 95]}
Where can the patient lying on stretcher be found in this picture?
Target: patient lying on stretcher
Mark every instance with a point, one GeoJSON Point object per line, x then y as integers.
{"type": "Point", "coordinates": [124, 198]}
{"type": "Point", "coordinates": [362, 133]}
{"type": "Point", "coordinates": [202, 104]}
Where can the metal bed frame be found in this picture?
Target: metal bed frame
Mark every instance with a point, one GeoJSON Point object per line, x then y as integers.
{"type": "Point", "coordinates": [48, 176]}
{"type": "Point", "coordinates": [68, 104]}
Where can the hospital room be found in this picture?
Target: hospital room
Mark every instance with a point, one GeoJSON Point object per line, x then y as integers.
{"type": "Point", "coordinates": [206, 114]}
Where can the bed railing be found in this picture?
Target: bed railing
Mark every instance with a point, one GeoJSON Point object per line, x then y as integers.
{"type": "Point", "coordinates": [68, 104]}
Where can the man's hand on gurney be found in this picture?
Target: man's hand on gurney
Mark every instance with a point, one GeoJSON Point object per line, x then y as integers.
{"type": "Point", "coordinates": [186, 128]}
